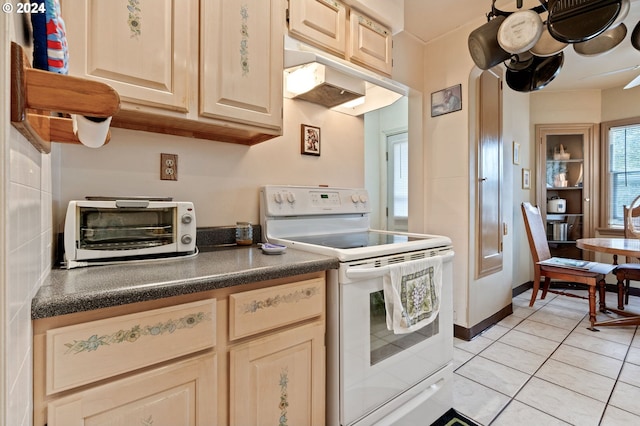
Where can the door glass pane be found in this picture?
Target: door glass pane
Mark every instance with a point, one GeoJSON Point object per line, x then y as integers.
{"type": "Point", "coordinates": [384, 343]}
{"type": "Point", "coordinates": [398, 182]}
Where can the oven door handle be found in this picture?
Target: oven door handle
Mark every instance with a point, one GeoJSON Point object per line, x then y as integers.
{"type": "Point", "coordinates": [366, 273]}
{"type": "Point", "coordinates": [357, 274]}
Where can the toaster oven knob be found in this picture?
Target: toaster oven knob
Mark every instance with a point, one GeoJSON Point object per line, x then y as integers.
{"type": "Point", "coordinates": [186, 239]}
{"type": "Point", "coordinates": [187, 218]}
{"type": "Point", "coordinates": [355, 199]}
{"type": "Point", "coordinates": [291, 198]}
{"type": "Point", "coordinates": [278, 198]}
{"type": "Point", "coordinates": [363, 199]}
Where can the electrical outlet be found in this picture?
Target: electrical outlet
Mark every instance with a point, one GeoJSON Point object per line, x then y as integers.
{"type": "Point", "coordinates": [168, 166]}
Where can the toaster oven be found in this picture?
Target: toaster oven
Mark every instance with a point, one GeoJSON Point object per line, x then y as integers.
{"type": "Point", "coordinates": [101, 229]}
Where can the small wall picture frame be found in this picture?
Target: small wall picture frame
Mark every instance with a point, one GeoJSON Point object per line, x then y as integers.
{"type": "Point", "coordinates": [310, 140]}
{"type": "Point", "coordinates": [446, 100]}
{"type": "Point", "coordinates": [526, 178]}
{"type": "Point", "coordinates": [516, 152]}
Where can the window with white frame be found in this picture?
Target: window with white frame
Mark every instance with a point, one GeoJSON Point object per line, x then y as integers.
{"type": "Point", "coordinates": [622, 168]}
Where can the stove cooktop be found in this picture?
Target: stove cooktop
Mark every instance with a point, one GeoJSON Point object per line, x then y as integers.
{"type": "Point", "coordinates": [354, 239]}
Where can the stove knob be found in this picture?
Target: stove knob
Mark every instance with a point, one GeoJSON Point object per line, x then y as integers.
{"type": "Point", "coordinates": [363, 198]}
{"type": "Point", "coordinates": [186, 239]}
{"type": "Point", "coordinates": [355, 199]}
{"type": "Point", "coordinates": [291, 198]}
{"type": "Point", "coordinates": [278, 198]}
{"type": "Point", "coordinates": [187, 218]}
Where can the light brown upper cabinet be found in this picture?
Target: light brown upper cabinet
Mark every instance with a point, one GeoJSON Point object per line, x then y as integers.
{"type": "Point", "coordinates": [344, 32]}
{"type": "Point", "coordinates": [208, 69]}
{"type": "Point", "coordinates": [322, 23]}
{"type": "Point", "coordinates": [370, 43]}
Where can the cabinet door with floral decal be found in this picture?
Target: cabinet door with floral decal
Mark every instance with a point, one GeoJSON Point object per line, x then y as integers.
{"type": "Point", "coordinates": [370, 44]}
{"type": "Point", "coordinates": [145, 49]}
{"type": "Point", "coordinates": [241, 60]}
{"type": "Point", "coordinates": [183, 393]}
{"type": "Point", "coordinates": [322, 23]}
{"type": "Point", "coordinates": [279, 379]}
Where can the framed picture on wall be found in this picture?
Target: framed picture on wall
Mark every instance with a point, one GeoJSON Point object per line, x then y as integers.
{"type": "Point", "coordinates": [310, 140]}
{"type": "Point", "coordinates": [446, 100]}
{"type": "Point", "coordinates": [526, 178]}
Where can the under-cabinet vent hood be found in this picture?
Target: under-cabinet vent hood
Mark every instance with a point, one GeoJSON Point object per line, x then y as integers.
{"type": "Point", "coordinates": [313, 76]}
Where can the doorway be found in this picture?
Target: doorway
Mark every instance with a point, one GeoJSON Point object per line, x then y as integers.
{"type": "Point", "coordinates": [382, 126]}
{"type": "Point", "coordinates": [398, 182]}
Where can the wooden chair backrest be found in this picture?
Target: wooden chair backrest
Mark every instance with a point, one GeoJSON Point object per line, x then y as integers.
{"type": "Point", "coordinates": [632, 219]}
{"type": "Point", "coordinates": [536, 233]}
{"type": "Point", "coordinates": [632, 223]}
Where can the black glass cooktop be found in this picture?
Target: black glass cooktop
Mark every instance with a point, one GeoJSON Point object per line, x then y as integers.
{"type": "Point", "coordinates": [354, 239]}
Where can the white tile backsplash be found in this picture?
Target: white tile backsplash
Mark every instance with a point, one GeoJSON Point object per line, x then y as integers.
{"type": "Point", "coordinates": [29, 206]}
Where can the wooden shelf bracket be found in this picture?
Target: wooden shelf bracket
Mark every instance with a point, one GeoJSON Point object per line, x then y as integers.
{"type": "Point", "coordinates": [38, 97]}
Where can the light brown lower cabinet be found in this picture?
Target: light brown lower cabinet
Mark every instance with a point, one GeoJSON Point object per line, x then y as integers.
{"type": "Point", "coordinates": [247, 355]}
{"type": "Point", "coordinates": [182, 393]}
{"type": "Point", "coordinates": [274, 380]}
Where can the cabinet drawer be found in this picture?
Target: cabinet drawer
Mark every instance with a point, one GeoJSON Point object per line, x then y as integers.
{"type": "Point", "coordinates": [91, 351]}
{"type": "Point", "coordinates": [255, 311]}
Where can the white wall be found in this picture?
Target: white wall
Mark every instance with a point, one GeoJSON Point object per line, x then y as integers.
{"type": "Point", "coordinates": [450, 179]}
{"type": "Point", "coordinates": [572, 106]}
{"type": "Point", "coordinates": [25, 238]}
{"type": "Point", "coordinates": [517, 130]}
{"type": "Point", "coordinates": [378, 125]}
{"type": "Point", "coordinates": [222, 179]}
{"type": "Point", "coordinates": [619, 103]}
{"type": "Point", "coordinates": [446, 158]}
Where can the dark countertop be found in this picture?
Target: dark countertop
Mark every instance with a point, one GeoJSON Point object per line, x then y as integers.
{"type": "Point", "coordinates": [84, 289]}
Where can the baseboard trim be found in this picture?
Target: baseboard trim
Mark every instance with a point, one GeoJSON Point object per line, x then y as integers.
{"type": "Point", "coordinates": [469, 333]}
{"type": "Point", "coordinates": [516, 291]}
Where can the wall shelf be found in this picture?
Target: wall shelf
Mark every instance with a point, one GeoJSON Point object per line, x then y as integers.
{"type": "Point", "coordinates": [41, 101]}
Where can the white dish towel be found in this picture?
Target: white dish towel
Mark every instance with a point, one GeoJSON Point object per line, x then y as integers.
{"type": "Point", "coordinates": [412, 292]}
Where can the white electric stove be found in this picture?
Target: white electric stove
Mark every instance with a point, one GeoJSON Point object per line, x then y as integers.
{"type": "Point", "coordinates": [373, 375]}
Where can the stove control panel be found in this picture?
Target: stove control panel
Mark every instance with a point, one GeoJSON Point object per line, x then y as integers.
{"type": "Point", "coordinates": [309, 200]}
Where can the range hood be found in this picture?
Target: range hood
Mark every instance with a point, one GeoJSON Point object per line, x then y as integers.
{"type": "Point", "coordinates": [317, 77]}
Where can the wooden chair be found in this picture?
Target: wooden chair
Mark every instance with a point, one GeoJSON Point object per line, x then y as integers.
{"type": "Point", "coordinates": [630, 270]}
{"type": "Point", "coordinates": [537, 235]}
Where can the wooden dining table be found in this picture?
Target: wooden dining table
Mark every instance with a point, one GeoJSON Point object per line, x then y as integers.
{"type": "Point", "coordinates": [618, 247]}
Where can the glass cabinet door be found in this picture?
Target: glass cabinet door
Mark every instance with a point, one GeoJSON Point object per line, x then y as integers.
{"type": "Point", "coordinates": [564, 184]}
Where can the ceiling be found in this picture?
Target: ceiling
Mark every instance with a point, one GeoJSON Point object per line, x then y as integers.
{"type": "Point", "coordinates": [426, 20]}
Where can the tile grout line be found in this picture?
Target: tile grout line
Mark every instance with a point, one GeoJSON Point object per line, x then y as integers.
{"type": "Point", "coordinates": [572, 330]}
{"type": "Point", "coordinates": [534, 373]}
{"type": "Point", "coordinates": [635, 333]}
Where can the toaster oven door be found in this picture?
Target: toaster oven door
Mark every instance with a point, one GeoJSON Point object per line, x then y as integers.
{"type": "Point", "coordinates": [125, 229]}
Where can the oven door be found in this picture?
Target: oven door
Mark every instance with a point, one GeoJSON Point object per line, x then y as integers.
{"type": "Point", "coordinates": [381, 372]}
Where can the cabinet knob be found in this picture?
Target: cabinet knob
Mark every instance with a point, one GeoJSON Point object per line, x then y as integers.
{"type": "Point", "coordinates": [587, 200]}
{"type": "Point", "coordinates": [483, 179]}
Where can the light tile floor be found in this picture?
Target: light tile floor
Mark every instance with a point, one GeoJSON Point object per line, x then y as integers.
{"type": "Point", "coordinates": [541, 366]}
